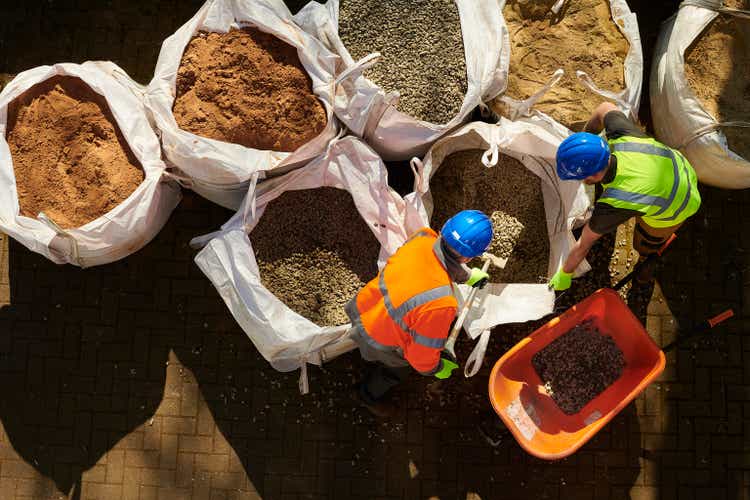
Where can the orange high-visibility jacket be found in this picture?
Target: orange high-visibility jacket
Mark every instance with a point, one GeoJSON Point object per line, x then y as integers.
{"type": "Point", "coordinates": [410, 305]}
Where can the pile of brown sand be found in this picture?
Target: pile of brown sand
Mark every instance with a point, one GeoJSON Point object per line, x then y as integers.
{"type": "Point", "coordinates": [717, 66]}
{"type": "Point", "coordinates": [586, 39]}
{"type": "Point", "coordinates": [512, 196]}
{"type": "Point", "coordinates": [315, 252]}
{"type": "Point", "coordinates": [70, 159]}
{"type": "Point", "coordinates": [247, 87]}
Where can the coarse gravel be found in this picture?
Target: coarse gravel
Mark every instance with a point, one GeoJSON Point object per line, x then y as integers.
{"type": "Point", "coordinates": [511, 196]}
{"type": "Point", "coordinates": [422, 52]}
{"type": "Point", "coordinates": [315, 252]}
{"type": "Point", "coordinates": [578, 366]}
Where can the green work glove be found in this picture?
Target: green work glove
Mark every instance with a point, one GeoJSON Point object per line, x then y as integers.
{"type": "Point", "coordinates": [561, 280]}
{"type": "Point", "coordinates": [448, 367]}
{"type": "Point", "coordinates": [478, 278]}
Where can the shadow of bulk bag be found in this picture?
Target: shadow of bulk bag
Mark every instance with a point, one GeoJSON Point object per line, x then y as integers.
{"type": "Point", "coordinates": [133, 222]}
{"type": "Point", "coordinates": [627, 100]}
{"type": "Point", "coordinates": [680, 119]}
{"type": "Point", "coordinates": [565, 202]}
{"type": "Point", "coordinates": [217, 170]}
{"type": "Point", "coordinates": [285, 338]}
{"type": "Point", "coordinates": [370, 112]}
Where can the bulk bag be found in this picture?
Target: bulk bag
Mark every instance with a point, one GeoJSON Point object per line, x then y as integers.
{"type": "Point", "coordinates": [217, 170]}
{"type": "Point", "coordinates": [136, 219]}
{"type": "Point", "coordinates": [284, 337]}
{"type": "Point", "coordinates": [680, 119]}
{"type": "Point", "coordinates": [554, 15]}
{"type": "Point", "coordinates": [371, 112]}
{"type": "Point", "coordinates": [565, 205]}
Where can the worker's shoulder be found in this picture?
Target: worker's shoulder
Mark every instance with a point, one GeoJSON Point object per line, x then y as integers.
{"type": "Point", "coordinates": [617, 124]}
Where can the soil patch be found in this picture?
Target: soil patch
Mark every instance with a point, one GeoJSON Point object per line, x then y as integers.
{"type": "Point", "coordinates": [70, 159]}
{"type": "Point", "coordinates": [247, 87]}
{"type": "Point", "coordinates": [512, 196]}
{"type": "Point", "coordinates": [422, 52]}
{"type": "Point", "coordinates": [586, 39]}
{"type": "Point", "coordinates": [315, 252]}
{"type": "Point", "coordinates": [578, 366]}
{"type": "Point", "coordinates": [717, 66]}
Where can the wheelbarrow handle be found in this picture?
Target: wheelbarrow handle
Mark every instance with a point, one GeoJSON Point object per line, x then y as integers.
{"type": "Point", "coordinates": [629, 277]}
{"type": "Point", "coordinates": [705, 326]}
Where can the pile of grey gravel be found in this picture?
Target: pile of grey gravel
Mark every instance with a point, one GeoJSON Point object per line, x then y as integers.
{"type": "Point", "coordinates": [511, 196]}
{"type": "Point", "coordinates": [315, 252]}
{"type": "Point", "coordinates": [422, 52]}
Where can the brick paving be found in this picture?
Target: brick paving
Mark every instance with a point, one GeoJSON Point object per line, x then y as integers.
{"type": "Point", "coordinates": [132, 381]}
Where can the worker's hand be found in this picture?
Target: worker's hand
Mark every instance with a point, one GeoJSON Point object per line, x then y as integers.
{"type": "Point", "coordinates": [561, 280]}
{"type": "Point", "coordinates": [447, 368]}
{"type": "Point", "coordinates": [478, 278]}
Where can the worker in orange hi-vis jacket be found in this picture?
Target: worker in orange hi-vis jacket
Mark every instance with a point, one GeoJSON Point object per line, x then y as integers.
{"type": "Point", "coordinates": [401, 319]}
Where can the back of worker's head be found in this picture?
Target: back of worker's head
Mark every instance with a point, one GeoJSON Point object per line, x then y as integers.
{"type": "Point", "coordinates": [468, 233]}
{"type": "Point", "coordinates": [582, 155]}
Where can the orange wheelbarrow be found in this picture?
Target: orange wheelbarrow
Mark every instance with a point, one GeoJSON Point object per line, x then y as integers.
{"type": "Point", "coordinates": [518, 395]}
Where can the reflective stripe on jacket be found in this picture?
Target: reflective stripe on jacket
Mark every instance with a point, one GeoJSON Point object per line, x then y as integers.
{"type": "Point", "coordinates": [409, 306]}
{"type": "Point", "coordinates": [654, 180]}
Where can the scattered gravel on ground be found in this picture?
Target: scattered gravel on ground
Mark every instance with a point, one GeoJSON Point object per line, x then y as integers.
{"type": "Point", "coordinates": [422, 48]}
{"type": "Point", "coordinates": [512, 196]}
{"type": "Point", "coordinates": [315, 252]}
{"type": "Point", "coordinates": [578, 366]}
{"type": "Point", "coordinates": [247, 87]}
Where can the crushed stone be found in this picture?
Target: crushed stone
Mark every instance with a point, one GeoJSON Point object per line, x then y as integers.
{"type": "Point", "coordinates": [247, 87]}
{"type": "Point", "coordinates": [578, 366]}
{"type": "Point", "coordinates": [422, 52]}
{"type": "Point", "coordinates": [511, 196]}
{"type": "Point", "coordinates": [315, 252]}
{"type": "Point", "coordinates": [70, 158]}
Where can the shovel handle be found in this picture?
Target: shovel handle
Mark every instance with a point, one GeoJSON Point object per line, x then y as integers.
{"type": "Point", "coordinates": [720, 318]}
{"type": "Point", "coordinates": [451, 342]}
{"type": "Point", "coordinates": [707, 325]}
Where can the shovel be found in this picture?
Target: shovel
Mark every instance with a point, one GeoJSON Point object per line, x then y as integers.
{"type": "Point", "coordinates": [450, 345]}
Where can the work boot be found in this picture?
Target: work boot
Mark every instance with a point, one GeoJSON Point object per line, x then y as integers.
{"type": "Point", "coordinates": [381, 409]}
{"type": "Point", "coordinates": [647, 272]}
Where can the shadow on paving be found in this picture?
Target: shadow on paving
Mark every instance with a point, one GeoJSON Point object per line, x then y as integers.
{"type": "Point", "coordinates": [705, 450]}
{"type": "Point", "coordinates": [83, 365]}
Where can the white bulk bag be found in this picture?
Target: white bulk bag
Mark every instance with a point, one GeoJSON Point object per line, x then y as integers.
{"type": "Point", "coordinates": [680, 119]}
{"type": "Point", "coordinates": [126, 228]}
{"type": "Point", "coordinates": [286, 339]}
{"type": "Point", "coordinates": [628, 100]}
{"type": "Point", "coordinates": [370, 112]}
{"type": "Point", "coordinates": [565, 202]}
{"type": "Point", "coordinates": [217, 170]}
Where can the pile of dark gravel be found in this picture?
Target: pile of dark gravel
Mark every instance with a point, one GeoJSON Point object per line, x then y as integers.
{"type": "Point", "coordinates": [578, 366]}
{"type": "Point", "coordinates": [422, 52]}
{"type": "Point", "coordinates": [315, 252]}
{"type": "Point", "coordinates": [511, 196]}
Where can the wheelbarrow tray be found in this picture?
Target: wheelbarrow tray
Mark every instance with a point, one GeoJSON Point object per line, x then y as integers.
{"type": "Point", "coordinates": [519, 398]}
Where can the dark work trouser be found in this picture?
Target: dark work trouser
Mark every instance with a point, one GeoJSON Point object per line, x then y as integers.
{"type": "Point", "coordinates": [391, 368]}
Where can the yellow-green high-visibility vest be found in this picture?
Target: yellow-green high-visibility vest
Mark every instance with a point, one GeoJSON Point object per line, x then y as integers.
{"type": "Point", "coordinates": [654, 180]}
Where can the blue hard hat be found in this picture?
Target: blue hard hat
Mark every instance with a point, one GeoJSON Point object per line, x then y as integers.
{"type": "Point", "coordinates": [468, 233]}
{"type": "Point", "coordinates": [581, 155]}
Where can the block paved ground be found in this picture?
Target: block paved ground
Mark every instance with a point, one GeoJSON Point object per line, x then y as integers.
{"type": "Point", "coordinates": [132, 381]}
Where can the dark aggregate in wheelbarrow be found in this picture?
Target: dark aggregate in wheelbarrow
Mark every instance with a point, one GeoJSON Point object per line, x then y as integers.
{"type": "Point", "coordinates": [578, 366]}
{"type": "Point", "coordinates": [315, 252]}
{"type": "Point", "coordinates": [512, 196]}
{"type": "Point", "coordinates": [422, 52]}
